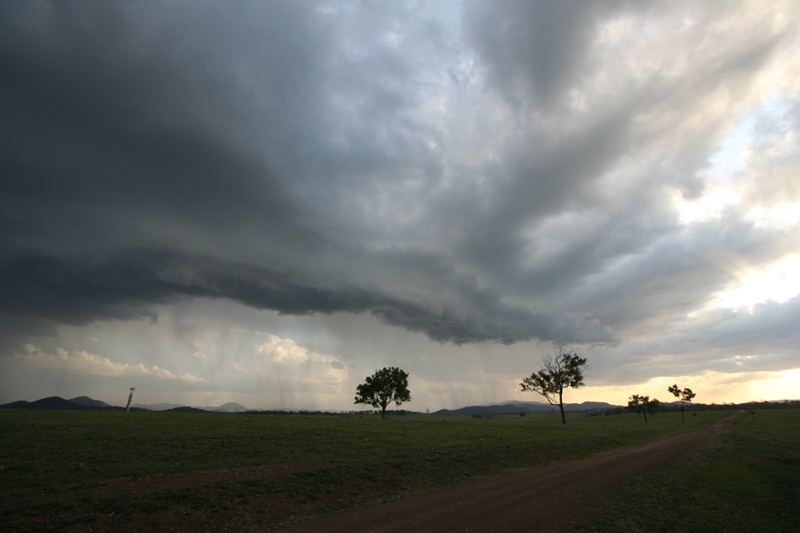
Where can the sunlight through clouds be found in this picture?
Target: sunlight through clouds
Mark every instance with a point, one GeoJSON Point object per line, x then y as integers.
{"type": "Point", "coordinates": [778, 282]}
{"type": "Point", "coordinates": [711, 387]}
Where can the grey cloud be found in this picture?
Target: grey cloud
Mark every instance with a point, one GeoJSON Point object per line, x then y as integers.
{"type": "Point", "coordinates": [162, 176]}
{"type": "Point", "coordinates": [124, 287]}
{"type": "Point", "coordinates": [678, 271]}
{"type": "Point", "coordinates": [552, 37]}
{"type": "Point", "coordinates": [719, 340]}
{"type": "Point", "coordinates": [112, 137]}
{"type": "Point", "coordinates": [770, 327]}
{"type": "Point", "coordinates": [621, 250]}
{"type": "Point", "coordinates": [315, 158]}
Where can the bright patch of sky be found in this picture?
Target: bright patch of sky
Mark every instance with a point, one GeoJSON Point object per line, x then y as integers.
{"type": "Point", "coordinates": [728, 161]}
{"type": "Point", "coordinates": [728, 181]}
{"type": "Point", "coordinates": [784, 215]}
{"type": "Point", "coordinates": [725, 166]}
{"type": "Point", "coordinates": [778, 282]}
{"type": "Point", "coordinates": [729, 167]}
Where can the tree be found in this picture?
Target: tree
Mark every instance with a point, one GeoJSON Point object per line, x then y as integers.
{"type": "Point", "coordinates": [384, 387]}
{"type": "Point", "coordinates": [686, 395]}
{"type": "Point", "coordinates": [563, 371]}
{"type": "Point", "coordinates": [643, 404]}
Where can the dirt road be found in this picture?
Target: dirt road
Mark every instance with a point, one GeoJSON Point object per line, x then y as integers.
{"type": "Point", "coordinates": [551, 498]}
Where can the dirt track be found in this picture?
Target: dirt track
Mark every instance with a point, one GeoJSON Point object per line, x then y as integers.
{"type": "Point", "coordinates": [551, 498]}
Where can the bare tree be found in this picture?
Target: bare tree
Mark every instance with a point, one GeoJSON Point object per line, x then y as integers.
{"type": "Point", "coordinates": [557, 373]}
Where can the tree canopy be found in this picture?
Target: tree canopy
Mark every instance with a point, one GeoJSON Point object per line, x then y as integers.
{"type": "Point", "coordinates": [385, 386]}
{"type": "Point", "coordinates": [557, 373]}
{"type": "Point", "coordinates": [643, 404]}
{"type": "Point", "coordinates": [685, 395]}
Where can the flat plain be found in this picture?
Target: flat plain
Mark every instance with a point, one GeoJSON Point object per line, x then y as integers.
{"type": "Point", "coordinates": [111, 470]}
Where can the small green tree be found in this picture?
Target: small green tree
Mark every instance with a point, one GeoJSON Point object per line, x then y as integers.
{"type": "Point", "coordinates": [643, 404]}
{"type": "Point", "coordinates": [685, 395]}
{"type": "Point", "coordinates": [557, 373]}
{"type": "Point", "coordinates": [384, 387]}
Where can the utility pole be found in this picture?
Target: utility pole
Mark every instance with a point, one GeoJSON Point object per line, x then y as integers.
{"type": "Point", "coordinates": [130, 399]}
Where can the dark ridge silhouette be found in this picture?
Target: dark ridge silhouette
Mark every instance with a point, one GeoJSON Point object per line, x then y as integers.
{"type": "Point", "coordinates": [52, 403]}
{"type": "Point", "coordinates": [185, 409]}
{"type": "Point", "coordinates": [20, 404]}
{"type": "Point", "coordinates": [85, 401]}
{"type": "Point", "coordinates": [57, 403]}
{"type": "Point", "coordinates": [230, 407]}
{"type": "Point", "coordinates": [514, 408]}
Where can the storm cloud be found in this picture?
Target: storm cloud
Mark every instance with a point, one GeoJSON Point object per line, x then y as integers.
{"type": "Point", "coordinates": [466, 172]}
{"type": "Point", "coordinates": [143, 164]}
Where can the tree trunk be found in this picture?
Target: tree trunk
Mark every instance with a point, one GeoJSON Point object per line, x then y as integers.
{"type": "Point", "coordinates": [645, 415]}
{"type": "Point", "coordinates": [561, 405]}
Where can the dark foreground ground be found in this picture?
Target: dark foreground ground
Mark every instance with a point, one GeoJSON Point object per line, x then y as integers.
{"type": "Point", "coordinates": [552, 498]}
{"type": "Point", "coordinates": [377, 494]}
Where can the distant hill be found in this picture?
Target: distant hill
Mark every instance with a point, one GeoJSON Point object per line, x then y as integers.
{"type": "Point", "coordinates": [185, 409]}
{"type": "Point", "coordinates": [515, 407]}
{"type": "Point", "coordinates": [52, 403]}
{"type": "Point", "coordinates": [81, 403]}
{"type": "Point", "coordinates": [584, 406]}
{"type": "Point", "coordinates": [88, 402]}
{"type": "Point", "coordinates": [230, 407]}
{"type": "Point", "coordinates": [158, 406]}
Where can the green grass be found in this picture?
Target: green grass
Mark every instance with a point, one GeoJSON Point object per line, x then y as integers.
{"type": "Point", "coordinates": [350, 460]}
{"type": "Point", "coordinates": [46, 449]}
{"type": "Point", "coordinates": [748, 480]}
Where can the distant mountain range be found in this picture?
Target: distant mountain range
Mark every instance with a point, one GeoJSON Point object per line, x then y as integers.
{"type": "Point", "coordinates": [84, 403]}
{"type": "Point", "coordinates": [58, 403]}
{"type": "Point", "coordinates": [503, 408]}
{"type": "Point", "coordinates": [515, 407]}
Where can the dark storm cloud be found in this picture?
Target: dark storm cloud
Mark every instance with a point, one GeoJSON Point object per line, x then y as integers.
{"type": "Point", "coordinates": [500, 181]}
{"type": "Point", "coordinates": [131, 131]}
{"type": "Point", "coordinates": [112, 134]}
{"type": "Point", "coordinates": [125, 286]}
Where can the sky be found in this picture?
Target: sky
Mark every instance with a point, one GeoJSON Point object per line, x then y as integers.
{"type": "Point", "coordinates": [265, 202]}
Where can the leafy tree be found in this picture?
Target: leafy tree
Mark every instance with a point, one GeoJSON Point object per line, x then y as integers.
{"type": "Point", "coordinates": [384, 387]}
{"type": "Point", "coordinates": [686, 395]}
{"type": "Point", "coordinates": [557, 373]}
{"type": "Point", "coordinates": [643, 404]}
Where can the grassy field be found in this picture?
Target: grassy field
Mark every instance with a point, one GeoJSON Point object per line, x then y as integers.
{"type": "Point", "coordinates": [748, 480]}
{"type": "Point", "coordinates": [52, 462]}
